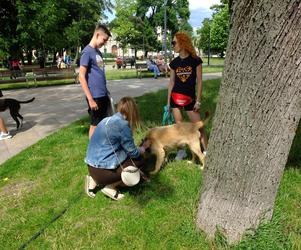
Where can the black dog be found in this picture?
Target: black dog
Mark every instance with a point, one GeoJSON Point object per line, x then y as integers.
{"type": "Point", "coordinates": [14, 107]}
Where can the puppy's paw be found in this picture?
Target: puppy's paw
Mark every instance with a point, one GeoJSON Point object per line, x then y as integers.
{"type": "Point", "coordinates": [190, 162]}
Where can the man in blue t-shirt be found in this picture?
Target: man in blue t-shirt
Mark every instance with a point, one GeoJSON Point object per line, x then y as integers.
{"type": "Point", "coordinates": [92, 76]}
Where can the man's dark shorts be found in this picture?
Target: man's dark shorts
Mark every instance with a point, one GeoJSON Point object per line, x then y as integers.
{"type": "Point", "coordinates": [188, 107]}
{"type": "Point", "coordinates": [97, 115]}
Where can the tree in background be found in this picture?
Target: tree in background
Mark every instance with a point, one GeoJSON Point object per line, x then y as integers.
{"type": "Point", "coordinates": [137, 21]}
{"type": "Point", "coordinates": [82, 16]}
{"type": "Point", "coordinates": [126, 26]}
{"type": "Point", "coordinates": [48, 26]}
{"type": "Point", "coordinates": [202, 36]}
{"type": "Point", "coordinates": [39, 27]}
{"type": "Point", "coordinates": [218, 27]}
{"type": "Point", "coordinates": [256, 118]}
{"type": "Point", "coordinates": [8, 34]}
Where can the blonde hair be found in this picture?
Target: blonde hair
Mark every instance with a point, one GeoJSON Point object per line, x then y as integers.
{"type": "Point", "coordinates": [185, 42]}
{"type": "Point", "coordinates": [128, 108]}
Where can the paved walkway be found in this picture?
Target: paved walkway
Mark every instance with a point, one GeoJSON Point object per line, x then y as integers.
{"type": "Point", "coordinates": [58, 106]}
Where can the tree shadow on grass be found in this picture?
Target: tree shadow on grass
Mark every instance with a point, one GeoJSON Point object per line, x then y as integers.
{"type": "Point", "coordinates": [156, 189]}
{"type": "Point", "coordinates": [294, 157]}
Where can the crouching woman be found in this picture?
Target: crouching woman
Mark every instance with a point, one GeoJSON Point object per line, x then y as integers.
{"type": "Point", "coordinates": [111, 149]}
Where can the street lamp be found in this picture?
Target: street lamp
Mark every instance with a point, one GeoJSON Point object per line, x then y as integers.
{"type": "Point", "coordinates": [209, 43]}
{"type": "Point", "coordinates": [165, 3]}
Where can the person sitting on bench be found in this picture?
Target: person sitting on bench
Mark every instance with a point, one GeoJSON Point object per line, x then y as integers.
{"type": "Point", "coordinates": [152, 66]}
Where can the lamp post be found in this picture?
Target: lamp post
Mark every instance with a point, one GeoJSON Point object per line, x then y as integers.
{"type": "Point", "coordinates": [209, 44]}
{"type": "Point", "coordinates": [165, 19]}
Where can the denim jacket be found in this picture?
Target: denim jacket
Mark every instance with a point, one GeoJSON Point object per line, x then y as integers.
{"type": "Point", "coordinates": [111, 134]}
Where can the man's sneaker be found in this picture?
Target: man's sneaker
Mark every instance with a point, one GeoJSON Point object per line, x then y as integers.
{"type": "Point", "coordinates": [4, 136]}
{"type": "Point", "coordinates": [181, 154]}
{"type": "Point", "coordinates": [90, 185]}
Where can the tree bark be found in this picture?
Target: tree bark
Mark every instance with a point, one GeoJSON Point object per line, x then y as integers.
{"type": "Point", "coordinates": [256, 118]}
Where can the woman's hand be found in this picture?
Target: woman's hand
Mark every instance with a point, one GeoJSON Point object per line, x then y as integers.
{"type": "Point", "coordinates": [196, 106]}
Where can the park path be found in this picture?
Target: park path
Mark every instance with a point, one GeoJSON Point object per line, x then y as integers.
{"type": "Point", "coordinates": [58, 106]}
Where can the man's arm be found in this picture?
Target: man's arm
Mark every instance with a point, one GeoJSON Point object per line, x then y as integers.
{"type": "Point", "coordinates": [84, 84]}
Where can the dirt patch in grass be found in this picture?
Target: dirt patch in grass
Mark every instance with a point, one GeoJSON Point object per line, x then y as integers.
{"type": "Point", "coordinates": [17, 189]}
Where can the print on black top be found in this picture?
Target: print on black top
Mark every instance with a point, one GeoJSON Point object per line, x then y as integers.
{"type": "Point", "coordinates": [185, 74]}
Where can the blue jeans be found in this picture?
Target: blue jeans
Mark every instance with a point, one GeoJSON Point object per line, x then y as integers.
{"type": "Point", "coordinates": [155, 69]}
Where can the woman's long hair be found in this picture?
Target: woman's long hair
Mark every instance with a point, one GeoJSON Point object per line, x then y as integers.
{"type": "Point", "coordinates": [185, 42]}
{"type": "Point", "coordinates": [128, 108]}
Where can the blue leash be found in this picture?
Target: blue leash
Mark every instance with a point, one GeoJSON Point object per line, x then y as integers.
{"type": "Point", "coordinates": [168, 117]}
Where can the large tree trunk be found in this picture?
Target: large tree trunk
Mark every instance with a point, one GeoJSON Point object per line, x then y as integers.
{"type": "Point", "coordinates": [256, 118]}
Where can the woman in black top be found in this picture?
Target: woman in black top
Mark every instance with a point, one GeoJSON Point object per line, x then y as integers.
{"type": "Point", "coordinates": [185, 74]}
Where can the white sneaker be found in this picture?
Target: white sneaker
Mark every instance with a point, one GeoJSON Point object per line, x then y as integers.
{"type": "Point", "coordinates": [112, 193]}
{"type": "Point", "coordinates": [4, 136]}
{"type": "Point", "coordinates": [181, 154]}
{"type": "Point", "coordinates": [90, 185]}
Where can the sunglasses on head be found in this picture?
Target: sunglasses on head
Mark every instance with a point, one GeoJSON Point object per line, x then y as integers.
{"type": "Point", "coordinates": [173, 43]}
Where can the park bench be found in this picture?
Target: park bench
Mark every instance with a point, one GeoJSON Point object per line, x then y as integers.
{"type": "Point", "coordinates": [40, 74]}
{"type": "Point", "coordinates": [140, 68]}
{"type": "Point", "coordinates": [52, 73]}
{"type": "Point", "coordinates": [4, 74]}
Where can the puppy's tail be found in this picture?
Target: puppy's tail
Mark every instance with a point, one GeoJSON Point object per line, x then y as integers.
{"type": "Point", "coordinates": [201, 124]}
{"type": "Point", "coordinates": [27, 101]}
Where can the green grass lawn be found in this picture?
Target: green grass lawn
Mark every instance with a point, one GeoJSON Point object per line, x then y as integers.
{"type": "Point", "coordinates": [43, 180]}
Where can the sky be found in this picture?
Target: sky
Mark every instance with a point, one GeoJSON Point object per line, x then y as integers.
{"type": "Point", "coordinates": [199, 9]}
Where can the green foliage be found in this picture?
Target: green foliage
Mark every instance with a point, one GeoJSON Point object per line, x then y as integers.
{"type": "Point", "coordinates": [220, 30]}
{"type": "Point", "coordinates": [137, 21]}
{"type": "Point", "coordinates": [126, 26]}
{"type": "Point", "coordinates": [8, 33]}
{"type": "Point", "coordinates": [48, 26]}
{"type": "Point", "coordinates": [202, 38]}
{"type": "Point", "coordinates": [217, 29]}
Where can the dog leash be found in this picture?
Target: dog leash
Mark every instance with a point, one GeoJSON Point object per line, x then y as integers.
{"type": "Point", "coordinates": [76, 198]}
{"type": "Point", "coordinates": [42, 229]}
{"type": "Point", "coordinates": [168, 117]}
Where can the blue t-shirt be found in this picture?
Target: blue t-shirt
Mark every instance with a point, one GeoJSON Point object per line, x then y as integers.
{"type": "Point", "coordinates": [96, 79]}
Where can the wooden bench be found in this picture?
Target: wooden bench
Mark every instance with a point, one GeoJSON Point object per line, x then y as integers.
{"type": "Point", "coordinates": [5, 73]}
{"type": "Point", "coordinates": [52, 73]}
{"type": "Point", "coordinates": [140, 68]}
{"type": "Point", "coordinates": [40, 74]}
{"type": "Point", "coordinates": [11, 74]}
